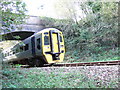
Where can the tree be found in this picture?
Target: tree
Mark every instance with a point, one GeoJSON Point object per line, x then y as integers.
{"type": "Point", "coordinates": [12, 14]}
{"type": "Point", "coordinates": [75, 10]}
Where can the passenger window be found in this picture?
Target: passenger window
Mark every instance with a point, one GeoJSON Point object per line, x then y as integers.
{"type": "Point", "coordinates": [46, 33]}
{"type": "Point", "coordinates": [11, 53]}
{"type": "Point", "coordinates": [46, 40]}
{"type": "Point", "coordinates": [3, 55]}
{"type": "Point", "coordinates": [26, 47]}
{"type": "Point", "coordinates": [17, 49]}
{"type": "Point", "coordinates": [21, 49]}
{"type": "Point", "coordinates": [14, 51]}
{"type": "Point", "coordinates": [38, 43]}
{"type": "Point", "coordinates": [6, 54]}
{"type": "Point", "coordinates": [61, 39]}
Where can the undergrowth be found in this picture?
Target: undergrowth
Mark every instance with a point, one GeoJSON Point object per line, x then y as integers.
{"type": "Point", "coordinates": [87, 56]}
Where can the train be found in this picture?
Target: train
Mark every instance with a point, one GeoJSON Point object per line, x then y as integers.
{"type": "Point", "coordinates": [44, 47]}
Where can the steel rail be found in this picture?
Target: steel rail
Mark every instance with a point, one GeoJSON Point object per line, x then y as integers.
{"type": "Point", "coordinates": [101, 63]}
{"type": "Point", "coordinates": [89, 63]}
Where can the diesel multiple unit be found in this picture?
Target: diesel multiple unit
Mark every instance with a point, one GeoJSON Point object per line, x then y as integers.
{"type": "Point", "coordinates": [44, 47]}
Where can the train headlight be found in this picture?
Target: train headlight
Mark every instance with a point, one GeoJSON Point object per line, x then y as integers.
{"type": "Point", "coordinates": [47, 47]}
{"type": "Point", "coordinates": [61, 46]}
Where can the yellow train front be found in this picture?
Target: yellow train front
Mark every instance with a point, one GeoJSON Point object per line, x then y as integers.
{"type": "Point", "coordinates": [44, 47]}
{"type": "Point", "coordinates": [53, 49]}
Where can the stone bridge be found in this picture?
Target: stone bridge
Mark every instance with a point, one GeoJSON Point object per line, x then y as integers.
{"type": "Point", "coordinates": [33, 24]}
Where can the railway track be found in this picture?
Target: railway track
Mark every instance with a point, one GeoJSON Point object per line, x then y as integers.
{"type": "Point", "coordinates": [89, 63]}
{"type": "Point", "coordinates": [102, 63]}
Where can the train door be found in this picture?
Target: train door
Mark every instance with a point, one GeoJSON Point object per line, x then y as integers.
{"type": "Point", "coordinates": [55, 42]}
{"type": "Point", "coordinates": [33, 45]}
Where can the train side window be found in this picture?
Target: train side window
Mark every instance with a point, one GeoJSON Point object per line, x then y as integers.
{"type": "Point", "coordinates": [38, 43]}
{"type": "Point", "coordinates": [17, 49]}
{"type": "Point", "coordinates": [61, 39]}
{"type": "Point", "coordinates": [21, 49]}
{"type": "Point", "coordinates": [10, 53]}
{"type": "Point", "coordinates": [14, 51]}
{"type": "Point", "coordinates": [26, 47]}
{"type": "Point", "coordinates": [3, 55]}
{"type": "Point", "coordinates": [6, 54]}
{"type": "Point", "coordinates": [46, 40]}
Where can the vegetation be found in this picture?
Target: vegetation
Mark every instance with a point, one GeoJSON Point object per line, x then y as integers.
{"type": "Point", "coordinates": [92, 38]}
{"type": "Point", "coordinates": [50, 78]}
{"type": "Point", "coordinates": [12, 15]}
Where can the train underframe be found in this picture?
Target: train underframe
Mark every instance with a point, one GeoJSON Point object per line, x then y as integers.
{"type": "Point", "coordinates": [36, 61]}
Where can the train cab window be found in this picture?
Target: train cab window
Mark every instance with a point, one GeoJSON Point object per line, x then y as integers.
{"type": "Point", "coordinates": [26, 47]}
{"type": "Point", "coordinates": [46, 40]}
{"type": "Point", "coordinates": [38, 43]}
{"type": "Point", "coordinates": [61, 39]}
{"type": "Point", "coordinates": [46, 33]}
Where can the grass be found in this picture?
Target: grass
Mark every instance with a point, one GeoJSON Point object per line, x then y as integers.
{"type": "Point", "coordinates": [49, 78]}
